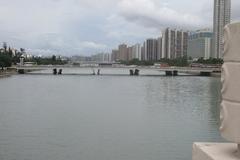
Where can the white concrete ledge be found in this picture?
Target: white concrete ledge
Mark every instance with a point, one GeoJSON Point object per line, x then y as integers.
{"type": "Point", "coordinates": [215, 151]}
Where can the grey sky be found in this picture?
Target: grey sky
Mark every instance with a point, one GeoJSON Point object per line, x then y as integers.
{"type": "Point", "coordinates": [85, 27]}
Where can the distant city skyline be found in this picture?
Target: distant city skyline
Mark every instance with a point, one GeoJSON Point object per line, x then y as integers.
{"type": "Point", "coordinates": [85, 27]}
{"type": "Point", "coordinates": [172, 44]}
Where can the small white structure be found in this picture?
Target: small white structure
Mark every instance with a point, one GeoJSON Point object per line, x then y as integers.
{"type": "Point", "coordinates": [21, 61]}
{"type": "Point", "coordinates": [230, 106]}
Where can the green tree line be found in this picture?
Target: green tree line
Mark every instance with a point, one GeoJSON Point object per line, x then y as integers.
{"type": "Point", "coordinates": [181, 61]}
{"type": "Point", "coordinates": [54, 60]}
{"type": "Point", "coordinates": [209, 61]}
{"type": "Point", "coordinates": [9, 57]}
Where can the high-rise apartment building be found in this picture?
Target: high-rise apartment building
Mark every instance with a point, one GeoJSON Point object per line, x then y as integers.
{"type": "Point", "coordinates": [151, 49]}
{"type": "Point", "coordinates": [137, 52]}
{"type": "Point", "coordinates": [174, 43]}
{"type": "Point", "coordinates": [222, 16]}
{"type": "Point", "coordinates": [159, 48]}
{"type": "Point", "coordinates": [123, 52]}
{"type": "Point", "coordinates": [115, 55]}
{"type": "Point", "coordinates": [142, 52]}
{"type": "Point", "coordinates": [199, 44]}
{"type": "Point", "coordinates": [130, 53]}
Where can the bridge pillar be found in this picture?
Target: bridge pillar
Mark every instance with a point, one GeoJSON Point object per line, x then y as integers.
{"type": "Point", "coordinates": [54, 71]}
{"type": "Point", "coordinates": [171, 73]}
{"type": "Point", "coordinates": [60, 71]}
{"type": "Point", "coordinates": [21, 71]}
{"type": "Point", "coordinates": [175, 73]}
{"type": "Point", "coordinates": [206, 74]}
{"type": "Point", "coordinates": [136, 73]}
{"type": "Point", "coordinates": [131, 72]}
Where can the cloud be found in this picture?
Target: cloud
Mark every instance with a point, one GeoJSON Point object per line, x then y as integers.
{"type": "Point", "coordinates": [88, 26]}
{"type": "Point", "coordinates": [40, 52]}
{"type": "Point", "coordinates": [93, 45]}
{"type": "Point", "coordinates": [123, 31]}
{"type": "Point", "coordinates": [152, 14]}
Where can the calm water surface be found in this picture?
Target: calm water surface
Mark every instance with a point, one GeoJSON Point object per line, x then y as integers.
{"type": "Point", "coordinates": [106, 117]}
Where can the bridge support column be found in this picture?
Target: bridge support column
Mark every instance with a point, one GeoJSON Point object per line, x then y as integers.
{"type": "Point", "coordinates": [136, 73]}
{"type": "Point", "coordinates": [171, 73]}
{"type": "Point", "coordinates": [21, 71]}
{"type": "Point", "coordinates": [175, 73]}
{"type": "Point", "coordinates": [60, 71]}
{"type": "Point", "coordinates": [131, 72]}
{"type": "Point", "coordinates": [54, 71]}
{"type": "Point", "coordinates": [206, 74]}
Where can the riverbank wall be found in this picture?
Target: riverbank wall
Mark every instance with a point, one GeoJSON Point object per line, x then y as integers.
{"type": "Point", "coordinates": [7, 72]}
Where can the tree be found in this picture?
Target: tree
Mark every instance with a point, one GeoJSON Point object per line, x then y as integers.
{"type": "Point", "coordinates": [22, 50]}
{"type": "Point", "coordinates": [54, 58]}
{"type": "Point", "coordinates": [5, 61]}
{"type": "Point", "coordinates": [209, 61]}
{"type": "Point", "coordinates": [5, 46]}
{"type": "Point", "coordinates": [10, 52]}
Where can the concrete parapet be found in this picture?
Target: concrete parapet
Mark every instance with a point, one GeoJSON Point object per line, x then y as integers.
{"type": "Point", "coordinates": [215, 151]}
{"type": "Point", "coordinates": [230, 105]}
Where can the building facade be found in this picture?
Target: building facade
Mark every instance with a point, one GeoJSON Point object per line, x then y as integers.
{"type": "Point", "coordinates": [174, 43]}
{"type": "Point", "coordinates": [137, 52]}
{"type": "Point", "coordinates": [200, 44]}
{"type": "Point", "coordinates": [151, 49]}
{"type": "Point", "coordinates": [123, 52]}
{"type": "Point", "coordinates": [144, 51]}
{"type": "Point", "coordinates": [222, 16]}
{"type": "Point", "coordinates": [159, 48]}
{"type": "Point", "coordinates": [115, 55]}
{"type": "Point", "coordinates": [130, 53]}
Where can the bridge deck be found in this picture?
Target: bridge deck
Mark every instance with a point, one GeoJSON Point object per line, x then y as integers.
{"type": "Point", "coordinates": [118, 75]}
{"type": "Point", "coordinates": [179, 69]}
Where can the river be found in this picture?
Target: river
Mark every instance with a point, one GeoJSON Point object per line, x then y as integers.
{"type": "Point", "coordinates": [46, 117]}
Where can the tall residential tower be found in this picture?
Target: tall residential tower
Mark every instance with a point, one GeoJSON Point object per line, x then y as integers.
{"type": "Point", "coordinates": [174, 43]}
{"type": "Point", "coordinates": [222, 16]}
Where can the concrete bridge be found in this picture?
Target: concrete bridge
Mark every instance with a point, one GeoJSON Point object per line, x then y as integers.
{"type": "Point", "coordinates": [169, 71]}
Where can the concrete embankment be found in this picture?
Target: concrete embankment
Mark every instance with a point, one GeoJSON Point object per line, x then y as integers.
{"type": "Point", "coordinates": [7, 72]}
{"type": "Point", "coordinates": [216, 74]}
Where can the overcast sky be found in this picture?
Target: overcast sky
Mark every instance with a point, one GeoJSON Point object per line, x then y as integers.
{"type": "Point", "coordinates": [85, 27]}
